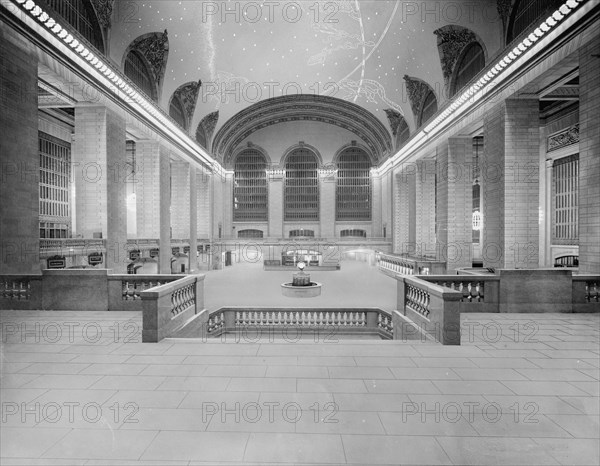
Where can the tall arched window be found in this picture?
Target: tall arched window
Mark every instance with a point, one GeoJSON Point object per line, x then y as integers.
{"type": "Point", "coordinates": [137, 70]}
{"type": "Point", "coordinates": [471, 63]}
{"type": "Point", "coordinates": [177, 113]}
{"type": "Point", "coordinates": [81, 15]}
{"type": "Point", "coordinates": [301, 186]}
{"type": "Point", "coordinates": [353, 185]}
{"type": "Point", "coordinates": [428, 109]}
{"type": "Point", "coordinates": [250, 193]}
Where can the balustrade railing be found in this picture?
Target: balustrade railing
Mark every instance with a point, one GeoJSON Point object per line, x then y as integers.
{"type": "Point", "coordinates": [432, 308]}
{"type": "Point", "coordinates": [417, 299]}
{"type": "Point", "coordinates": [132, 287]}
{"type": "Point", "coordinates": [395, 264]}
{"type": "Point", "coordinates": [472, 290]}
{"type": "Point", "coordinates": [15, 289]}
{"type": "Point", "coordinates": [167, 308]}
{"type": "Point", "coordinates": [346, 321]}
{"type": "Point", "coordinates": [65, 244]}
{"type": "Point", "coordinates": [182, 298]}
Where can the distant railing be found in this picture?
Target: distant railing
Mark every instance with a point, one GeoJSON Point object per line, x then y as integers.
{"type": "Point", "coordinates": [348, 321]}
{"type": "Point", "coordinates": [406, 265]}
{"type": "Point", "coordinates": [64, 245]}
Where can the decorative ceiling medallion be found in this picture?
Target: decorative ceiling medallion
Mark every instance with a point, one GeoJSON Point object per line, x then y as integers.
{"type": "Point", "coordinates": [564, 138]}
{"type": "Point", "coordinates": [451, 41]}
{"type": "Point", "coordinates": [104, 10]}
{"type": "Point", "coordinates": [417, 91]}
{"type": "Point", "coordinates": [188, 95]}
{"type": "Point", "coordinates": [303, 107]}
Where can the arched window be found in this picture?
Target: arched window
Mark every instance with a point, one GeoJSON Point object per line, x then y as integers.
{"type": "Point", "coordinates": [250, 199]}
{"type": "Point", "coordinates": [353, 233]}
{"type": "Point", "coordinates": [81, 15]}
{"type": "Point", "coordinates": [301, 186]}
{"type": "Point", "coordinates": [250, 233]}
{"type": "Point", "coordinates": [402, 134]}
{"type": "Point", "coordinates": [471, 63]}
{"type": "Point", "coordinates": [353, 185]}
{"type": "Point", "coordinates": [525, 13]}
{"type": "Point", "coordinates": [302, 233]}
{"type": "Point", "coordinates": [428, 109]}
{"type": "Point", "coordinates": [177, 113]}
{"type": "Point", "coordinates": [137, 70]}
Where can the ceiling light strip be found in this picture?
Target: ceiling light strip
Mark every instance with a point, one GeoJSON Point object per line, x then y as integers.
{"type": "Point", "coordinates": [114, 78]}
{"type": "Point", "coordinates": [476, 91]}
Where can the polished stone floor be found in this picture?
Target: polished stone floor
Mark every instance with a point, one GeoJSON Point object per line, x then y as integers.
{"type": "Point", "coordinates": [355, 285]}
{"type": "Point", "coordinates": [78, 388]}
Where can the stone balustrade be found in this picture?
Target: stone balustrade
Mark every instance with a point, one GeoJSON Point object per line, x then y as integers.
{"type": "Point", "coordinates": [480, 293]}
{"type": "Point", "coordinates": [392, 264]}
{"type": "Point", "coordinates": [433, 309]}
{"type": "Point", "coordinates": [170, 307]}
{"type": "Point", "coordinates": [348, 321]}
{"type": "Point", "coordinates": [124, 290]}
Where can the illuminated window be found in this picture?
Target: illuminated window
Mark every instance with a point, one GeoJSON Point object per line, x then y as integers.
{"type": "Point", "coordinates": [471, 63]}
{"type": "Point", "coordinates": [428, 109]}
{"type": "Point", "coordinates": [81, 15]}
{"type": "Point", "coordinates": [353, 185]}
{"type": "Point", "coordinates": [301, 186]}
{"type": "Point", "coordinates": [250, 191]}
{"type": "Point", "coordinates": [137, 70]}
{"type": "Point", "coordinates": [55, 167]}
{"type": "Point", "coordinates": [565, 193]}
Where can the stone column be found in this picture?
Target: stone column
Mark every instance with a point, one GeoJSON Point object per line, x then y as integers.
{"type": "Point", "coordinates": [153, 197]}
{"type": "Point", "coordinates": [376, 207]}
{"type": "Point", "coordinates": [589, 160]}
{"type": "Point", "coordinates": [227, 186]}
{"type": "Point", "coordinates": [327, 183]}
{"type": "Point", "coordinates": [164, 258]}
{"type": "Point", "coordinates": [510, 172]}
{"type": "Point", "coordinates": [455, 202]}
{"type": "Point", "coordinates": [100, 181]}
{"type": "Point", "coordinates": [404, 210]}
{"type": "Point", "coordinates": [19, 155]}
{"type": "Point", "coordinates": [180, 199]}
{"type": "Point", "coordinates": [275, 204]}
{"type": "Point", "coordinates": [425, 208]}
{"type": "Point", "coordinates": [203, 202]}
{"type": "Point", "coordinates": [193, 233]}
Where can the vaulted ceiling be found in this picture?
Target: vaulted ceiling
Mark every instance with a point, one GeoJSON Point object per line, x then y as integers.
{"type": "Point", "coordinates": [355, 51]}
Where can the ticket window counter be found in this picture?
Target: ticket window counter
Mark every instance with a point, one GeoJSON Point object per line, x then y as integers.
{"type": "Point", "coordinates": [313, 258]}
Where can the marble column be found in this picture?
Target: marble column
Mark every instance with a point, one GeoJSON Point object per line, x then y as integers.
{"type": "Point", "coordinates": [19, 160]}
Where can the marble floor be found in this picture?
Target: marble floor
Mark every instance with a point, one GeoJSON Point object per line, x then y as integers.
{"type": "Point", "coordinates": [78, 388]}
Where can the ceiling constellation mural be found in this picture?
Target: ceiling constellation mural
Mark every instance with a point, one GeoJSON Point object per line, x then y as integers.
{"type": "Point", "coordinates": [248, 51]}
